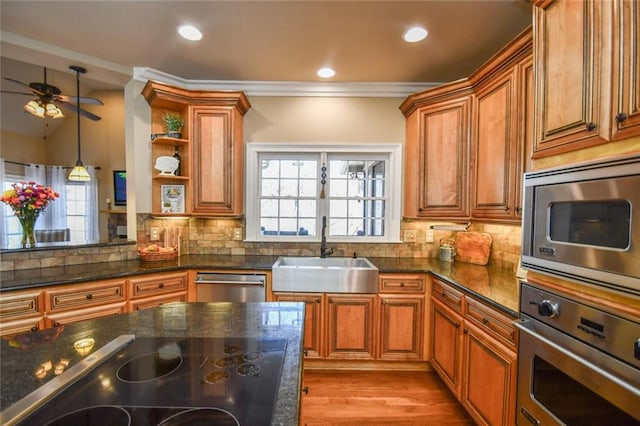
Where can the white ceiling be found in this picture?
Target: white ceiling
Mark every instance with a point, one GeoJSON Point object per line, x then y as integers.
{"type": "Point", "coordinates": [245, 41]}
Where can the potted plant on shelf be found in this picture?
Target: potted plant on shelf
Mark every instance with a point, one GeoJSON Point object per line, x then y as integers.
{"type": "Point", "coordinates": [174, 124]}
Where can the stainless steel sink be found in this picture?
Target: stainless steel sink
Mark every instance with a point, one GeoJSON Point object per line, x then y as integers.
{"type": "Point", "coordinates": [324, 275]}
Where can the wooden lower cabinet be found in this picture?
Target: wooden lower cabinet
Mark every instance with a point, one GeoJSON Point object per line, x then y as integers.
{"type": "Point", "coordinates": [149, 291]}
{"type": "Point", "coordinates": [474, 353]}
{"type": "Point", "coordinates": [351, 326]}
{"type": "Point", "coordinates": [20, 312]}
{"type": "Point", "coordinates": [55, 319]}
{"type": "Point", "coordinates": [313, 320]}
{"type": "Point", "coordinates": [446, 335]}
{"type": "Point", "coordinates": [489, 375]}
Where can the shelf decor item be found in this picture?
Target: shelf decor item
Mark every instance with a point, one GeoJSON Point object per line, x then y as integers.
{"type": "Point", "coordinates": [166, 165]}
{"type": "Point", "coordinates": [172, 199]}
{"type": "Point", "coordinates": [174, 124]}
{"type": "Point", "coordinates": [28, 200]}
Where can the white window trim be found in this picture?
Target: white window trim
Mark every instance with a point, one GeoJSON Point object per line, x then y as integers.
{"type": "Point", "coordinates": [394, 184]}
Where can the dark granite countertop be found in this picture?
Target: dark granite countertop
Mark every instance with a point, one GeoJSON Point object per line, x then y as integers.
{"type": "Point", "coordinates": [22, 355]}
{"type": "Point", "coordinates": [496, 286]}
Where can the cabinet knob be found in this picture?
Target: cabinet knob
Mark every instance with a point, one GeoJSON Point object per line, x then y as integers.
{"type": "Point", "coordinates": [402, 284]}
{"type": "Point", "coordinates": [89, 296]}
{"type": "Point", "coordinates": [35, 328]}
{"type": "Point", "coordinates": [330, 300]}
{"type": "Point", "coordinates": [456, 324]}
{"type": "Point", "coordinates": [318, 300]}
{"type": "Point", "coordinates": [518, 209]}
{"type": "Point", "coordinates": [305, 352]}
{"type": "Point", "coordinates": [620, 117]}
{"type": "Point", "coordinates": [384, 302]}
{"type": "Point", "coordinates": [465, 331]}
{"type": "Point", "coordinates": [305, 390]}
{"type": "Point", "coordinates": [485, 321]}
{"type": "Point", "coordinates": [161, 285]}
{"type": "Point", "coordinates": [591, 126]}
{"type": "Point", "coordinates": [506, 208]}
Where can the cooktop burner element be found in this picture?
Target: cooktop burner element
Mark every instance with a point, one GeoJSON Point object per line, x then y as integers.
{"type": "Point", "coordinates": [174, 381]}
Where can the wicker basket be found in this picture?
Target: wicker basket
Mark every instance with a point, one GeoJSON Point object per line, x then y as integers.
{"type": "Point", "coordinates": [157, 256]}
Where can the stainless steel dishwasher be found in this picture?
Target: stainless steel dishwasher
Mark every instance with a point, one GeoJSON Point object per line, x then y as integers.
{"type": "Point", "coordinates": [216, 287]}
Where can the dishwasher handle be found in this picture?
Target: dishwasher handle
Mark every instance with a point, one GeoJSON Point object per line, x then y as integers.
{"type": "Point", "coordinates": [222, 282]}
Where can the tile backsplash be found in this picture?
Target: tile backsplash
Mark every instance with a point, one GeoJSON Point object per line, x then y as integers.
{"type": "Point", "coordinates": [219, 236]}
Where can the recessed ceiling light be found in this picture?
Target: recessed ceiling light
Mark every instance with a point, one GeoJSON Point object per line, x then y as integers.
{"type": "Point", "coordinates": [326, 72]}
{"type": "Point", "coordinates": [415, 34]}
{"type": "Point", "coordinates": [190, 32]}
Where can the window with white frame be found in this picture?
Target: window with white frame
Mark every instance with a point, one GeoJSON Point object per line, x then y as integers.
{"type": "Point", "coordinates": [76, 202]}
{"type": "Point", "coordinates": [291, 188]}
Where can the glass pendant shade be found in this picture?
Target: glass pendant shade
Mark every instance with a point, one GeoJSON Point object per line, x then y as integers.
{"type": "Point", "coordinates": [34, 108]}
{"type": "Point", "coordinates": [79, 173]}
{"type": "Point", "coordinates": [53, 111]}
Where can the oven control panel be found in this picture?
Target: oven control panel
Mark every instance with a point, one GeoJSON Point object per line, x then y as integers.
{"type": "Point", "coordinates": [611, 333]}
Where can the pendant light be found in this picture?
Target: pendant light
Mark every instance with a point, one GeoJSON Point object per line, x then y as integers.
{"type": "Point", "coordinates": [79, 172]}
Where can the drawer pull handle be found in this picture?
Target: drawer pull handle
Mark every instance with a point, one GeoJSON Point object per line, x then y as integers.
{"type": "Point", "coordinates": [89, 296]}
{"type": "Point", "coordinates": [161, 285]}
{"type": "Point", "coordinates": [485, 321]}
{"type": "Point", "coordinates": [402, 284]}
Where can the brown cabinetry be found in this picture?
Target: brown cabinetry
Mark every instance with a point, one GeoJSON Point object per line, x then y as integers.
{"type": "Point", "coordinates": [626, 69]}
{"type": "Point", "coordinates": [474, 352]}
{"type": "Point", "coordinates": [402, 317]}
{"type": "Point", "coordinates": [21, 312]}
{"type": "Point", "coordinates": [500, 133]}
{"type": "Point", "coordinates": [437, 153]}
{"type": "Point", "coordinates": [571, 76]}
{"type": "Point", "coordinates": [70, 303]}
{"type": "Point", "coordinates": [313, 320]}
{"type": "Point", "coordinates": [351, 326]}
{"type": "Point", "coordinates": [211, 149]}
{"type": "Point", "coordinates": [149, 291]}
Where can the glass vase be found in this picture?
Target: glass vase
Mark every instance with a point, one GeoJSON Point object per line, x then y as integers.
{"type": "Point", "coordinates": [28, 224]}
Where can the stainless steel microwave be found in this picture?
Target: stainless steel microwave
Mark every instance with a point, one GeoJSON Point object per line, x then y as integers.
{"type": "Point", "coordinates": [582, 222]}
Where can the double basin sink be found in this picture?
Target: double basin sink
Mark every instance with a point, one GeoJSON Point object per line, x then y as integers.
{"type": "Point", "coordinates": [324, 275]}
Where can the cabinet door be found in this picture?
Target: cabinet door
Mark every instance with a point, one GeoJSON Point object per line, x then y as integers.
{"type": "Point", "coordinates": [218, 163]}
{"type": "Point", "coordinates": [447, 345]}
{"type": "Point", "coordinates": [525, 128]}
{"type": "Point", "coordinates": [626, 69]}
{"type": "Point", "coordinates": [313, 319]}
{"type": "Point", "coordinates": [571, 89]}
{"type": "Point", "coordinates": [494, 148]}
{"type": "Point", "coordinates": [437, 158]}
{"type": "Point", "coordinates": [401, 332]}
{"type": "Point", "coordinates": [489, 388]}
{"type": "Point", "coordinates": [351, 326]}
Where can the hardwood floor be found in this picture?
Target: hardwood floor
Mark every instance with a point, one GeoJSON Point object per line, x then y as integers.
{"type": "Point", "coordinates": [379, 398]}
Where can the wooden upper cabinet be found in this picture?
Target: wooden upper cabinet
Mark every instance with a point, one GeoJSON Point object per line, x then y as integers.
{"type": "Point", "coordinates": [626, 69]}
{"type": "Point", "coordinates": [500, 132]}
{"type": "Point", "coordinates": [211, 149]}
{"type": "Point", "coordinates": [218, 160]}
{"type": "Point", "coordinates": [437, 153]}
{"type": "Point", "coordinates": [572, 76]}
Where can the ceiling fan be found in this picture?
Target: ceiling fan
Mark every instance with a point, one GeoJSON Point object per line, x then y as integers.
{"type": "Point", "coordinates": [49, 98]}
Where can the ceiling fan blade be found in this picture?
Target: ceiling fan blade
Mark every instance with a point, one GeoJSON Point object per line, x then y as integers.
{"type": "Point", "coordinates": [16, 93]}
{"type": "Point", "coordinates": [18, 82]}
{"type": "Point", "coordinates": [72, 100]}
{"type": "Point", "coordinates": [74, 108]}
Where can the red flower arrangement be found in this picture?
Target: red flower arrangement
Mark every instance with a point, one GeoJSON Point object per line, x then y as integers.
{"type": "Point", "coordinates": [28, 200]}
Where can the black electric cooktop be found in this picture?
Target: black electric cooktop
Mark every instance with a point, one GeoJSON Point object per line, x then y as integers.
{"type": "Point", "coordinates": [173, 381]}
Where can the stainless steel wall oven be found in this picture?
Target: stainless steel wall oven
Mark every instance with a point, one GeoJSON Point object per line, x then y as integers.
{"type": "Point", "coordinates": [583, 223]}
{"type": "Point", "coordinates": [577, 364]}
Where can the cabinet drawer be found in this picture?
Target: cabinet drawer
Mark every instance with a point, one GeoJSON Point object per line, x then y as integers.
{"type": "Point", "coordinates": [157, 284]}
{"type": "Point", "coordinates": [448, 295]}
{"type": "Point", "coordinates": [492, 322]}
{"type": "Point", "coordinates": [20, 326]}
{"type": "Point", "coordinates": [21, 305]}
{"type": "Point", "coordinates": [401, 284]}
{"type": "Point", "coordinates": [67, 317]}
{"type": "Point", "coordinates": [152, 302]}
{"type": "Point", "coordinates": [85, 295]}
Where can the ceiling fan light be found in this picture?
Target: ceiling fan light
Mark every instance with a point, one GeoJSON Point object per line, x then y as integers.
{"type": "Point", "coordinates": [53, 111]}
{"type": "Point", "coordinates": [33, 107]}
{"type": "Point", "coordinates": [79, 173]}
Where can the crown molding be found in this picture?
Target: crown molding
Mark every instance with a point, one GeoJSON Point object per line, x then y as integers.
{"type": "Point", "coordinates": [288, 88]}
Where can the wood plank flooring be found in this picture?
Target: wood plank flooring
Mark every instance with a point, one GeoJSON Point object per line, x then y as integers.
{"type": "Point", "coordinates": [379, 398]}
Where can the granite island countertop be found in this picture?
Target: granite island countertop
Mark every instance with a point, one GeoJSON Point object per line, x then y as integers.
{"type": "Point", "coordinates": [496, 286]}
{"type": "Point", "coordinates": [22, 355]}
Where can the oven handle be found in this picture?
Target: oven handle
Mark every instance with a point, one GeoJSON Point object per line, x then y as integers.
{"type": "Point", "coordinates": [524, 326]}
{"type": "Point", "coordinates": [202, 281]}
